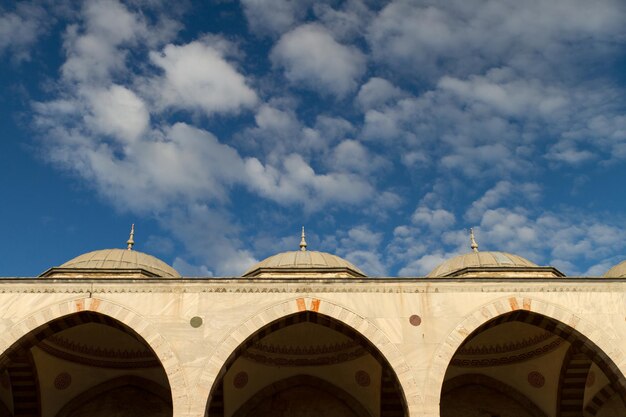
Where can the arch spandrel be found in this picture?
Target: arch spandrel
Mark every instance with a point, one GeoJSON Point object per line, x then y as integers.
{"type": "Point", "coordinates": [501, 306]}
{"type": "Point", "coordinates": [139, 324]}
{"type": "Point", "coordinates": [253, 324]}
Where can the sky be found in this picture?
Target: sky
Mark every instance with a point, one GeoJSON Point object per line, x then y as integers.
{"type": "Point", "coordinates": [387, 129]}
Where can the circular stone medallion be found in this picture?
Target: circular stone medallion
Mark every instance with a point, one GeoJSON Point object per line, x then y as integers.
{"type": "Point", "coordinates": [240, 380]}
{"type": "Point", "coordinates": [415, 320]}
{"type": "Point", "coordinates": [62, 381]}
{"type": "Point", "coordinates": [362, 378]}
{"type": "Point", "coordinates": [196, 322]}
{"type": "Point", "coordinates": [536, 379]}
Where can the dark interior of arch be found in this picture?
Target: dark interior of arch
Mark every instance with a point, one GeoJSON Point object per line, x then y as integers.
{"type": "Point", "coordinates": [58, 362]}
{"type": "Point", "coordinates": [304, 395]}
{"type": "Point", "coordinates": [471, 389]}
{"type": "Point", "coordinates": [126, 396]}
{"type": "Point", "coordinates": [577, 357]}
{"type": "Point", "coordinates": [392, 400]}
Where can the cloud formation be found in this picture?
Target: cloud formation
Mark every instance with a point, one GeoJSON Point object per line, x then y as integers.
{"type": "Point", "coordinates": [312, 58]}
{"type": "Point", "coordinates": [196, 76]}
{"type": "Point", "coordinates": [458, 37]}
{"type": "Point", "coordinates": [392, 129]}
{"type": "Point", "coordinates": [21, 28]}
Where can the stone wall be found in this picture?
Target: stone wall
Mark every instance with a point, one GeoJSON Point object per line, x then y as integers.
{"type": "Point", "coordinates": [417, 325]}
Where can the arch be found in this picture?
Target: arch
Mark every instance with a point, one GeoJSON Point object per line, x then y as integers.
{"type": "Point", "coordinates": [301, 380]}
{"type": "Point", "coordinates": [123, 381]}
{"type": "Point", "coordinates": [496, 385]}
{"type": "Point", "coordinates": [133, 320]}
{"type": "Point", "coordinates": [561, 318]}
{"type": "Point", "coordinates": [366, 329]}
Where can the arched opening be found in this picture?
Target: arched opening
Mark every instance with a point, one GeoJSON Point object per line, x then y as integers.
{"type": "Point", "coordinates": [306, 364]}
{"type": "Point", "coordinates": [524, 364]}
{"type": "Point", "coordinates": [83, 364]}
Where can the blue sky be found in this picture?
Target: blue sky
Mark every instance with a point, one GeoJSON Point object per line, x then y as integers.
{"type": "Point", "coordinates": [387, 129]}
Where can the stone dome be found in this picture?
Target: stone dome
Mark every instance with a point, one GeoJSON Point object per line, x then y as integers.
{"type": "Point", "coordinates": [491, 264]}
{"type": "Point", "coordinates": [113, 263]}
{"type": "Point", "coordinates": [304, 264]}
{"type": "Point", "coordinates": [618, 271]}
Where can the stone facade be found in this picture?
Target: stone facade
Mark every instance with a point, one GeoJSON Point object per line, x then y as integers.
{"type": "Point", "coordinates": [195, 326]}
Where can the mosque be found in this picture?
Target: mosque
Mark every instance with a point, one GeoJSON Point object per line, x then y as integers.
{"type": "Point", "coordinates": [117, 332]}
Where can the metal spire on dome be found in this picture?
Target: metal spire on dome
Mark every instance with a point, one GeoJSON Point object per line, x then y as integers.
{"type": "Point", "coordinates": [131, 241]}
{"type": "Point", "coordinates": [473, 243]}
{"type": "Point", "coordinates": [302, 241]}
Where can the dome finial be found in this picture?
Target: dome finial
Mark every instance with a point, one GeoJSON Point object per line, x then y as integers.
{"type": "Point", "coordinates": [473, 243]}
{"type": "Point", "coordinates": [131, 241]}
{"type": "Point", "coordinates": [302, 241]}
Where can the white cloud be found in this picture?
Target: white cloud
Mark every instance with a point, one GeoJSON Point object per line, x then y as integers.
{"type": "Point", "coordinates": [601, 134]}
{"type": "Point", "coordinates": [279, 133]}
{"type": "Point", "coordinates": [506, 93]}
{"type": "Point", "coordinates": [361, 237]}
{"type": "Point", "coordinates": [296, 182]}
{"type": "Point", "coordinates": [270, 17]}
{"type": "Point", "coordinates": [20, 29]}
{"type": "Point", "coordinates": [94, 48]}
{"type": "Point", "coordinates": [313, 59]}
{"type": "Point", "coordinates": [352, 156]}
{"type": "Point", "coordinates": [347, 21]}
{"type": "Point", "coordinates": [361, 246]}
{"type": "Point", "coordinates": [501, 193]}
{"type": "Point", "coordinates": [197, 77]}
{"type": "Point", "coordinates": [112, 20]}
{"type": "Point", "coordinates": [569, 152]}
{"type": "Point", "coordinates": [423, 265]}
{"type": "Point", "coordinates": [368, 262]}
{"type": "Point", "coordinates": [119, 112]}
{"type": "Point", "coordinates": [198, 166]}
{"type": "Point", "coordinates": [436, 219]}
{"type": "Point", "coordinates": [377, 92]}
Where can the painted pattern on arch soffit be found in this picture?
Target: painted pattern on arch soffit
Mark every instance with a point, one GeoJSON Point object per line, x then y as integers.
{"type": "Point", "coordinates": [508, 343]}
{"type": "Point", "coordinates": [99, 345]}
{"type": "Point", "coordinates": [291, 346]}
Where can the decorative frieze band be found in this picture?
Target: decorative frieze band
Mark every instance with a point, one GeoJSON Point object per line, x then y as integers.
{"type": "Point", "coordinates": [93, 287]}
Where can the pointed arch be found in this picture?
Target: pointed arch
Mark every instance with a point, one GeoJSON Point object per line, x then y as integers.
{"type": "Point", "coordinates": [359, 325]}
{"type": "Point", "coordinates": [587, 337]}
{"type": "Point", "coordinates": [20, 333]}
